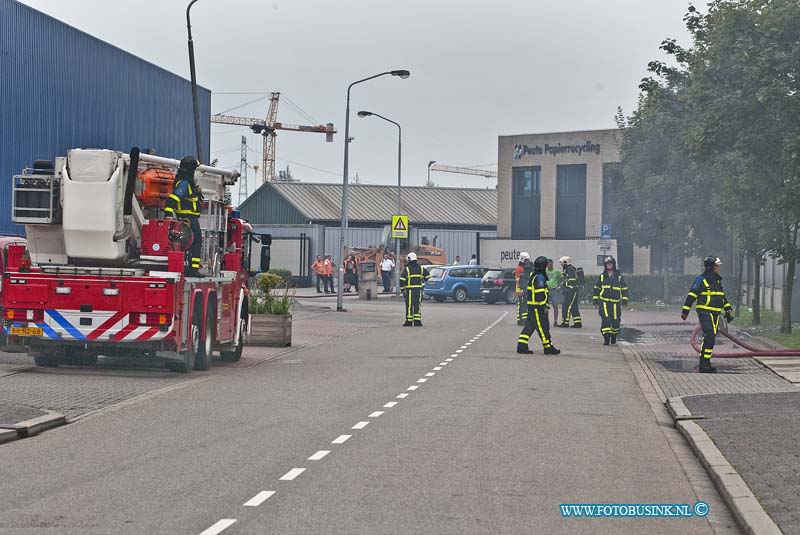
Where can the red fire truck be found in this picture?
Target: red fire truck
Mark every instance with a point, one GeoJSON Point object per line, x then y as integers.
{"type": "Point", "coordinates": [103, 272]}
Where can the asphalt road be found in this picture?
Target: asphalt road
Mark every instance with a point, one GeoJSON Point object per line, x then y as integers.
{"type": "Point", "coordinates": [443, 429]}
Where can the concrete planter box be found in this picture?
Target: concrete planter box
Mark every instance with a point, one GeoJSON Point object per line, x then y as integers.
{"type": "Point", "coordinates": [270, 330]}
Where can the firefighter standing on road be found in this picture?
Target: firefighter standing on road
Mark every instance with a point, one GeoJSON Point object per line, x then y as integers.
{"type": "Point", "coordinates": [569, 310]}
{"type": "Point", "coordinates": [610, 294]}
{"type": "Point", "coordinates": [412, 281]}
{"type": "Point", "coordinates": [538, 297]}
{"type": "Point", "coordinates": [711, 302]}
{"type": "Point", "coordinates": [184, 203]}
{"type": "Point", "coordinates": [522, 275]}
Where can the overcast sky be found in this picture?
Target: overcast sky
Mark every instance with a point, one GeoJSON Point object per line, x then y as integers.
{"type": "Point", "coordinates": [479, 70]}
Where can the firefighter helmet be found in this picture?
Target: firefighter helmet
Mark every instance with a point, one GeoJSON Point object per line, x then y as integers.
{"type": "Point", "coordinates": [540, 263]}
{"type": "Point", "coordinates": [565, 260]}
{"type": "Point", "coordinates": [412, 257]}
{"type": "Point", "coordinates": [524, 256]}
{"type": "Point", "coordinates": [711, 261]}
{"type": "Point", "coordinates": [610, 259]}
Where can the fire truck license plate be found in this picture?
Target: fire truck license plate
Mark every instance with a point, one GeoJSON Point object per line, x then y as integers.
{"type": "Point", "coordinates": [26, 331]}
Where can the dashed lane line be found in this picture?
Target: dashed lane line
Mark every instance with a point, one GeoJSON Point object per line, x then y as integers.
{"type": "Point", "coordinates": [360, 425]}
{"type": "Point", "coordinates": [430, 374]}
{"type": "Point", "coordinates": [292, 474]}
{"type": "Point", "coordinates": [375, 414]}
{"type": "Point", "coordinates": [390, 405]}
{"type": "Point", "coordinates": [341, 439]}
{"type": "Point", "coordinates": [319, 455]}
{"type": "Point", "coordinates": [259, 498]}
{"type": "Point", "coordinates": [220, 526]}
{"type": "Point", "coordinates": [421, 380]}
{"type": "Point", "coordinates": [412, 387]}
{"type": "Point", "coordinates": [437, 368]}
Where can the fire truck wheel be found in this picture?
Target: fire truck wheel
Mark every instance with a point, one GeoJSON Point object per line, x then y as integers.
{"type": "Point", "coordinates": [203, 360]}
{"type": "Point", "coordinates": [46, 358]}
{"type": "Point", "coordinates": [195, 343]}
{"type": "Point", "coordinates": [236, 354]}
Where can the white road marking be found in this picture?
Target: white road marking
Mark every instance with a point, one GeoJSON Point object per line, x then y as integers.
{"type": "Point", "coordinates": [412, 387]}
{"type": "Point", "coordinates": [463, 347]}
{"type": "Point", "coordinates": [390, 405]}
{"type": "Point", "coordinates": [259, 498]}
{"type": "Point", "coordinates": [449, 360]}
{"type": "Point", "coordinates": [291, 474]}
{"type": "Point", "coordinates": [403, 395]}
{"type": "Point", "coordinates": [341, 439]}
{"type": "Point", "coordinates": [421, 380]}
{"type": "Point", "coordinates": [454, 355]}
{"type": "Point", "coordinates": [375, 414]}
{"type": "Point", "coordinates": [220, 526]}
{"type": "Point", "coordinates": [319, 455]}
{"type": "Point", "coordinates": [468, 344]}
{"type": "Point", "coordinates": [430, 374]}
{"type": "Point", "coordinates": [438, 368]}
{"type": "Point", "coordinates": [360, 425]}
{"type": "Point", "coordinates": [459, 351]}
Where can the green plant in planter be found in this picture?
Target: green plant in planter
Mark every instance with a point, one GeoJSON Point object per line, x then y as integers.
{"type": "Point", "coordinates": [269, 301]}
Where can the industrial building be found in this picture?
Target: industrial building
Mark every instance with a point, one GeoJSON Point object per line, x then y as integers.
{"type": "Point", "coordinates": [305, 218]}
{"type": "Point", "coordinates": [553, 199]}
{"type": "Point", "coordinates": [61, 88]}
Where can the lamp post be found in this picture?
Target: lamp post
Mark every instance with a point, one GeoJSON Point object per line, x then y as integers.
{"type": "Point", "coordinates": [194, 85]}
{"type": "Point", "coordinates": [345, 194]}
{"type": "Point", "coordinates": [399, 180]}
{"type": "Point", "coordinates": [430, 163]}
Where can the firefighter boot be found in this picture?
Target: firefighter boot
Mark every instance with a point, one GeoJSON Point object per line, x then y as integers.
{"type": "Point", "coordinates": [613, 339]}
{"type": "Point", "coordinates": [563, 325]}
{"type": "Point", "coordinates": [417, 323]}
{"type": "Point", "coordinates": [705, 365]}
{"type": "Point", "coordinates": [552, 351]}
{"type": "Point", "coordinates": [523, 349]}
{"type": "Point", "coordinates": [407, 324]}
{"type": "Point", "coordinates": [606, 339]}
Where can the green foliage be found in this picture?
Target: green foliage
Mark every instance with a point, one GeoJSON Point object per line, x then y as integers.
{"type": "Point", "coordinates": [284, 274]}
{"type": "Point", "coordinates": [272, 302]}
{"type": "Point", "coordinates": [268, 281]}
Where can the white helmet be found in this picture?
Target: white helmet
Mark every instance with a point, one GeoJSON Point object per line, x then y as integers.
{"type": "Point", "coordinates": [524, 256]}
{"type": "Point", "coordinates": [412, 257]}
{"type": "Point", "coordinates": [565, 260]}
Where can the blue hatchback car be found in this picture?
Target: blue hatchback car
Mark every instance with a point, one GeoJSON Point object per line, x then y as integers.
{"type": "Point", "coordinates": [461, 283]}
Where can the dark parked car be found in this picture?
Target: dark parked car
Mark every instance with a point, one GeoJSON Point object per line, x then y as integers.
{"type": "Point", "coordinates": [499, 285]}
{"type": "Point", "coordinates": [459, 282]}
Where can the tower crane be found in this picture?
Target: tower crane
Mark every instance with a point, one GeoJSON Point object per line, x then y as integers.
{"type": "Point", "coordinates": [463, 171]}
{"type": "Point", "coordinates": [268, 128]}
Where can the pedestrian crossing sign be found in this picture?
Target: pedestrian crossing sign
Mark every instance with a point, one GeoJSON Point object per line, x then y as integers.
{"type": "Point", "coordinates": [400, 227]}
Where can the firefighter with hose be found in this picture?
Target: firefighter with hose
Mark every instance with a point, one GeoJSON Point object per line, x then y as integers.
{"type": "Point", "coordinates": [707, 291]}
{"type": "Point", "coordinates": [184, 204]}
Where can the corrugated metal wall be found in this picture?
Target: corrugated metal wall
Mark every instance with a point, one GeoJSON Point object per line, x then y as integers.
{"type": "Point", "coordinates": [267, 207]}
{"type": "Point", "coordinates": [61, 88]}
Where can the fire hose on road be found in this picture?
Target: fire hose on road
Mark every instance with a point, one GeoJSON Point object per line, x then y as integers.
{"type": "Point", "coordinates": [750, 351]}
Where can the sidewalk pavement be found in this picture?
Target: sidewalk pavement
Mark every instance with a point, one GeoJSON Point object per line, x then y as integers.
{"type": "Point", "coordinates": [750, 412]}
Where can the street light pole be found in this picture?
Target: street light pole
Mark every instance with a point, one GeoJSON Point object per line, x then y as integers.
{"type": "Point", "coordinates": [345, 194]}
{"type": "Point", "coordinates": [195, 104]}
{"type": "Point", "coordinates": [399, 181]}
{"type": "Point", "coordinates": [430, 163]}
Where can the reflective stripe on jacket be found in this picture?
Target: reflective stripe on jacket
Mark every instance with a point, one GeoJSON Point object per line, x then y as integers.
{"type": "Point", "coordinates": [610, 288]}
{"type": "Point", "coordinates": [538, 293]}
{"type": "Point", "coordinates": [413, 276]}
{"type": "Point", "coordinates": [183, 201]}
{"type": "Point", "coordinates": [570, 277]}
{"type": "Point", "coordinates": [708, 292]}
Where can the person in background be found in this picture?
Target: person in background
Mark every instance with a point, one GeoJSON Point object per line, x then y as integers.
{"type": "Point", "coordinates": [610, 293]}
{"type": "Point", "coordinates": [387, 267]}
{"type": "Point", "coordinates": [570, 310]}
{"type": "Point", "coordinates": [474, 260]}
{"type": "Point", "coordinates": [184, 203]}
{"type": "Point", "coordinates": [327, 266]}
{"type": "Point", "coordinates": [319, 272]}
{"type": "Point", "coordinates": [350, 274]}
{"type": "Point", "coordinates": [554, 286]}
{"type": "Point", "coordinates": [458, 261]}
{"type": "Point", "coordinates": [522, 274]}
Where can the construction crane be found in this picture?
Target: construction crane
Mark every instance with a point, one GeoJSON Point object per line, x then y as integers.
{"type": "Point", "coordinates": [268, 128]}
{"type": "Point", "coordinates": [243, 173]}
{"type": "Point", "coordinates": [463, 171]}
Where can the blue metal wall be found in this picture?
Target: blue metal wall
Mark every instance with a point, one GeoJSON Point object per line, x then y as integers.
{"type": "Point", "coordinates": [61, 88]}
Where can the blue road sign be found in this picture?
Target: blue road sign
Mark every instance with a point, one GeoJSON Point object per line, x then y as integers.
{"type": "Point", "coordinates": [605, 231]}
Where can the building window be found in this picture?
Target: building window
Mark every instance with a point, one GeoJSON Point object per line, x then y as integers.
{"type": "Point", "coordinates": [571, 202]}
{"type": "Point", "coordinates": [527, 199]}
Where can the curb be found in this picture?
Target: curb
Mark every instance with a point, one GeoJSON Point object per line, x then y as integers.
{"type": "Point", "coordinates": [32, 427]}
{"type": "Point", "coordinates": [747, 511]}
